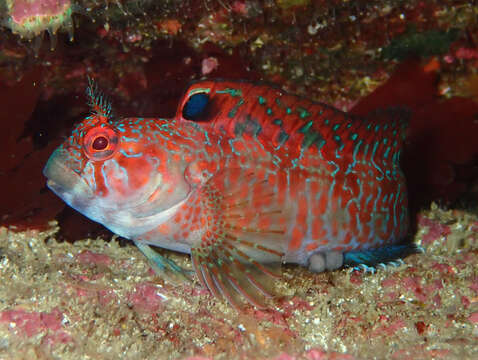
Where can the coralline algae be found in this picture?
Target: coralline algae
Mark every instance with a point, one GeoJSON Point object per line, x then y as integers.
{"type": "Point", "coordinates": [31, 18]}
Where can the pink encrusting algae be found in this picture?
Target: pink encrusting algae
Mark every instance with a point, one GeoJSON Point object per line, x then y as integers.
{"type": "Point", "coordinates": [98, 298]}
{"type": "Point", "coordinates": [31, 18]}
{"type": "Point", "coordinates": [28, 324]}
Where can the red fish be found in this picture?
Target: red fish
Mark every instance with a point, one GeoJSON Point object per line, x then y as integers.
{"type": "Point", "coordinates": [244, 177]}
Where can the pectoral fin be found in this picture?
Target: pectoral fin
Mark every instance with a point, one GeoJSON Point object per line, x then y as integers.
{"type": "Point", "coordinates": [240, 253]}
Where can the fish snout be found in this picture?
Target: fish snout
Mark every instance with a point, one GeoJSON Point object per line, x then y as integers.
{"type": "Point", "coordinates": [62, 179]}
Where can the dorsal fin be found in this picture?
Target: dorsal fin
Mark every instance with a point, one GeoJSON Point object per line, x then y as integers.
{"type": "Point", "coordinates": [291, 123]}
{"type": "Point", "coordinates": [99, 104]}
{"type": "Point", "coordinates": [384, 131]}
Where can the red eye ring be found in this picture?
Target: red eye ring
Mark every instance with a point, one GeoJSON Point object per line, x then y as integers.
{"type": "Point", "coordinates": [100, 143]}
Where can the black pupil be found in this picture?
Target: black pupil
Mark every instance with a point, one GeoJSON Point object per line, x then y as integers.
{"type": "Point", "coordinates": [100, 143]}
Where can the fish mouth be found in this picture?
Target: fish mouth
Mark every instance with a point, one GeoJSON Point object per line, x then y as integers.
{"type": "Point", "coordinates": [65, 182]}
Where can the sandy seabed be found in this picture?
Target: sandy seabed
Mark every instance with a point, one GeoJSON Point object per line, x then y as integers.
{"type": "Point", "coordinates": [98, 300]}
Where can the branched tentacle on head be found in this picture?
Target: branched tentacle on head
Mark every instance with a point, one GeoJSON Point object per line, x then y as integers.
{"type": "Point", "coordinates": [100, 105]}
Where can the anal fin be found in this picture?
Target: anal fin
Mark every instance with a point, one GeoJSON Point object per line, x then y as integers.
{"type": "Point", "coordinates": [371, 258]}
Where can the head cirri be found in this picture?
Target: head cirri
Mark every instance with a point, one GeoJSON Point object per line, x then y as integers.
{"type": "Point", "coordinates": [114, 172]}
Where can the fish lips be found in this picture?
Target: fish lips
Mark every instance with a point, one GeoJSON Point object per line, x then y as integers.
{"type": "Point", "coordinates": [65, 182]}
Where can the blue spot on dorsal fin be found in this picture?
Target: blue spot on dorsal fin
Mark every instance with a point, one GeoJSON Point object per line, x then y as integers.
{"type": "Point", "coordinates": [196, 106]}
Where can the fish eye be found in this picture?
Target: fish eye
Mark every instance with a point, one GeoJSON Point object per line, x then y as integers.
{"type": "Point", "coordinates": [195, 108]}
{"type": "Point", "coordinates": [100, 143]}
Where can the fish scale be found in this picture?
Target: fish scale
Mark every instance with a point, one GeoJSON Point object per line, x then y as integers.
{"type": "Point", "coordinates": [244, 178]}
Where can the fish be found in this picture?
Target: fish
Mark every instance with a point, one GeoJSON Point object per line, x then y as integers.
{"type": "Point", "coordinates": [245, 177]}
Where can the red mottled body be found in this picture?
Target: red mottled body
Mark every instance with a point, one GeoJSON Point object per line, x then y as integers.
{"type": "Point", "coordinates": [244, 177]}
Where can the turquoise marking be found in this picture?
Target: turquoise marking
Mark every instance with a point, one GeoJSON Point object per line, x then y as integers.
{"type": "Point", "coordinates": [365, 152]}
{"type": "Point", "coordinates": [367, 200]}
{"type": "Point", "coordinates": [337, 168]}
{"type": "Point", "coordinates": [129, 139]}
{"type": "Point", "coordinates": [336, 127]}
{"type": "Point", "coordinates": [394, 158]}
{"type": "Point", "coordinates": [354, 137]}
{"type": "Point", "coordinates": [359, 224]}
{"type": "Point", "coordinates": [390, 199]}
{"type": "Point", "coordinates": [306, 127]}
{"type": "Point", "coordinates": [232, 92]}
{"type": "Point", "coordinates": [311, 136]}
{"type": "Point", "coordinates": [233, 111]}
{"type": "Point", "coordinates": [331, 192]}
{"type": "Point", "coordinates": [288, 111]}
{"type": "Point", "coordinates": [377, 127]}
{"type": "Point", "coordinates": [231, 144]}
{"type": "Point", "coordinates": [121, 169]}
{"type": "Point", "coordinates": [295, 161]}
{"type": "Point", "coordinates": [337, 151]}
{"type": "Point", "coordinates": [326, 121]}
{"type": "Point", "coordinates": [337, 138]}
{"type": "Point", "coordinates": [277, 122]}
{"type": "Point", "coordinates": [206, 136]}
{"type": "Point", "coordinates": [385, 154]}
{"type": "Point", "coordinates": [349, 125]}
{"type": "Point", "coordinates": [283, 137]}
{"type": "Point", "coordinates": [262, 100]}
{"type": "Point", "coordinates": [376, 199]}
{"type": "Point", "coordinates": [105, 178]}
{"type": "Point", "coordinates": [402, 217]}
{"type": "Point", "coordinates": [354, 157]}
{"type": "Point", "coordinates": [385, 141]}
{"type": "Point", "coordinates": [276, 160]}
{"type": "Point", "coordinates": [353, 200]}
{"type": "Point", "coordinates": [373, 161]}
{"type": "Point", "coordinates": [387, 174]}
{"type": "Point", "coordinates": [303, 113]}
{"type": "Point", "coordinates": [385, 223]}
{"type": "Point", "coordinates": [269, 111]}
{"type": "Point", "coordinates": [260, 144]}
{"type": "Point", "coordinates": [395, 207]}
{"type": "Point", "coordinates": [131, 155]}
